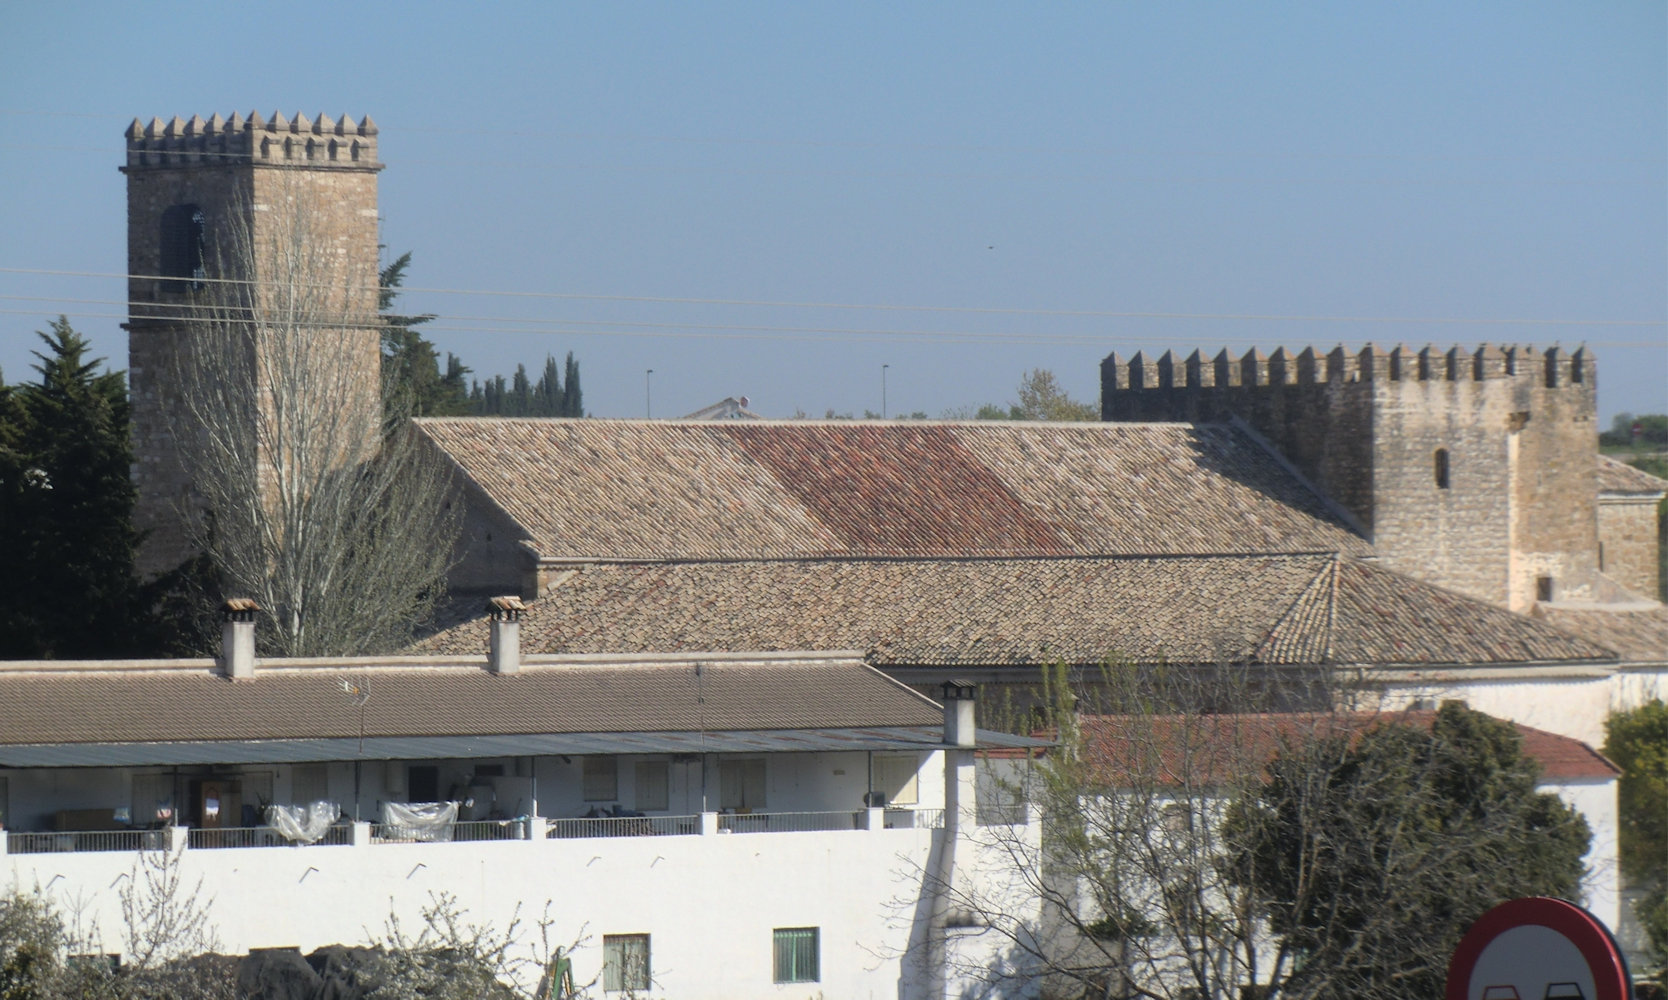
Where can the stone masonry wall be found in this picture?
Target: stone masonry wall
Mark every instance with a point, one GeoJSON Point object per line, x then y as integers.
{"type": "Point", "coordinates": [1627, 530]}
{"type": "Point", "coordinates": [1469, 469]}
{"type": "Point", "coordinates": [241, 173]}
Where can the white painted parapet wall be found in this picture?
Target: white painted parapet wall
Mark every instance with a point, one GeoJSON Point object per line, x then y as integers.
{"type": "Point", "coordinates": [709, 901]}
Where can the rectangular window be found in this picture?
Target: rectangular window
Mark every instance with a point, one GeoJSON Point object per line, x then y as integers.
{"type": "Point", "coordinates": [625, 962]}
{"type": "Point", "coordinates": [741, 784]}
{"type": "Point", "coordinates": [795, 951]}
{"type": "Point", "coordinates": [602, 779]}
{"type": "Point", "coordinates": [653, 781]}
{"type": "Point", "coordinates": [895, 779]}
{"type": "Point", "coordinates": [3, 797]}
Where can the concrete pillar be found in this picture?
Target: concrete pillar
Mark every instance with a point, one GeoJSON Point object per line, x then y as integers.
{"type": "Point", "coordinates": [709, 824]}
{"type": "Point", "coordinates": [361, 833]}
{"type": "Point", "coordinates": [874, 818]}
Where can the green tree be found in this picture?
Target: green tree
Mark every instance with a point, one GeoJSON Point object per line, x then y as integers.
{"type": "Point", "coordinates": [66, 500]}
{"type": "Point", "coordinates": [1638, 742]}
{"type": "Point", "coordinates": [1373, 854]}
{"type": "Point", "coordinates": [412, 382]}
{"type": "Point", "coordinates": [573, 398]}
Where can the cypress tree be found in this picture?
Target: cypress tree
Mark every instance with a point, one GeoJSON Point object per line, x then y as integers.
{"type": "Point", "coordinates": [573, 404]}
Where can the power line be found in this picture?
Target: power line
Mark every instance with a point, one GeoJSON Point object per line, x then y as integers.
{"type": "Point", "coordinates": [899, 307]}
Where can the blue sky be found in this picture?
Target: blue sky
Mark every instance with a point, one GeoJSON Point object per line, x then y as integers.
{"type": "Point", "coordinates": [1018, 185]}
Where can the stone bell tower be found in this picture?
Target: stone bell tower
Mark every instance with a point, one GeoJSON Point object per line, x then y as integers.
{"type": "Point", "coordinates": [199, 194]}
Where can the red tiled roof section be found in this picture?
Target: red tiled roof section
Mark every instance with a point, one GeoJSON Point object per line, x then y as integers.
{"type": "Point", "coordinates": [1615, 476]}
{"type": "Point", "coordinates": [1270, 609]}
{"type": "Point", "coordinates": [899, 489]}
{"type": "Point", "coordinates": [94, 706]}
{"type": "Point", "coordinates": [1382, 617]}
{"type": "Point", "coordinates": [1640, 635]}
{"type": "Point", "coordinates": [1207, 750]}
{"type": "Point", "coordinates": [639, 489]}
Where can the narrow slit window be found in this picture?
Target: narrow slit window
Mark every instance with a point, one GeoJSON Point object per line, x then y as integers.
{"type": "Point", "coordinates": [1441, 464]}
{"type": "Point", "coordinates": [181, 248]}
{"type": "Point", "coordinates": [1543, 588]}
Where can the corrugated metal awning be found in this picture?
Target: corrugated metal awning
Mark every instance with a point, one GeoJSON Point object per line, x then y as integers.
{"type": "Point", "coordinates": [460, 747]}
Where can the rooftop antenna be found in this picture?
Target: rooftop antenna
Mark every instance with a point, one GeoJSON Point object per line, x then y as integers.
{"type": "Point", "coordinates": [648, 407]}
{"type": "Point", "coordinates": [883, 391]}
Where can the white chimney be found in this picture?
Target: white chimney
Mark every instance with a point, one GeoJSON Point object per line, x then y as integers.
{"type": "Point", "coordinates": [504, 651]}
{"type": "Point", "coordinates": [237, 638]}
{"type": "Point", "coordinates": [959, 729]}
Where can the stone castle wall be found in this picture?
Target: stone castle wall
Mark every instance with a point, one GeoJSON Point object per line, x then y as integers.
{"type": "Point", "coordinates": [1469, 469]}
{"type": "Point", "coordinates": [1627, 529]}
{"type": "Point", "coordinates": [246, 176]}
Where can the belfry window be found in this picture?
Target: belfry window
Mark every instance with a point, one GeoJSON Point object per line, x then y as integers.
{"type": "Point", "coordinates": [1441, 464]}
{"type": "Point", "coordinates": [181, 248]}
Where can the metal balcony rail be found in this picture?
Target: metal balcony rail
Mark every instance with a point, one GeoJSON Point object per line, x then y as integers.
{"type": "Point", "coordinates": [791, 822]}
{"type": "Point", "coordinates": [86, 840]}
{"type": "Point", "coordinates": [914, 819]}
{"type": "Point", "coordinates": [490, 829]}
{"type": "Point", "coordinates": [624, 826]}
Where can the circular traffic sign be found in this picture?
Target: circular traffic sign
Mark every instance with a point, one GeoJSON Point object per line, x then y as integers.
{"type": "Point", "coordinates": [1537, 948]}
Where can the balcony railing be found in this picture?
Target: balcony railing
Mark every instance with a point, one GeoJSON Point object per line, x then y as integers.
{"type": "Point", "coordinates": [791, 822]}
{"type": "Point", "coordinates": [625, 826]}
{"type": "Point", "coordinates": [87, 840]}
{"type": "Point", "coordinates": [475, 831]}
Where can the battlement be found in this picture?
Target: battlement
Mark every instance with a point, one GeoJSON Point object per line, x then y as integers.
{"type": "Point", "coordinates": [1553, 367]}
{"type": "Point", "coordinates": [316, 143]}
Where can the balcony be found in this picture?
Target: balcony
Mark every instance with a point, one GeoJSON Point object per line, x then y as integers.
{"type": "Point", "coordinates": [362, 834]}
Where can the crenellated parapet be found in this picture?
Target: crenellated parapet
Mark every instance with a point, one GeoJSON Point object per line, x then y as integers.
{"type": "Point", "coordinates": [322, 142]}
{"type": "Point", "coordinates": [1552, 368]}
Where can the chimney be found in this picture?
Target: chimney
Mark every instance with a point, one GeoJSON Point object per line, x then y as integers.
{"type": "Point", "coordinates": [959, 728]}
{"type": "Point", "coordinates": [504, 653]}
{"type": "Point", "coordinates": [237, 638]}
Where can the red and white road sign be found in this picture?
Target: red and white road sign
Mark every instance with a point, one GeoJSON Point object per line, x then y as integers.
{"type": "Point", "coordinates": [1537, 949]}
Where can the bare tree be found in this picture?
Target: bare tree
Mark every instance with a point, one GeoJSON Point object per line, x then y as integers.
{"type": "Point", "coordinates": [309, 498]}
{"type": "Point", "coordinates": [1220, 855]}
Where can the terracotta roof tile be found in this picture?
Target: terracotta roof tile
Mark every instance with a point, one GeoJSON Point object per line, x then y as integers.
{"type": "Point", "coordinates": [1615, 476]}
{"type": "Point", "coordinates": [638, 489]}
{"type": "Point", "coordinates": [1209, 750]}
{"type": "Point", "coordinates": [1638, 634]}
{"type": "Point", "coordinates": [1275, 609]}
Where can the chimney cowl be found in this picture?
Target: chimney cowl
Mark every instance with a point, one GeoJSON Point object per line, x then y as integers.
{"type": "Point", "coordinates": [504, 639]}
{"type": "Point", "coordinates": [237, 638]}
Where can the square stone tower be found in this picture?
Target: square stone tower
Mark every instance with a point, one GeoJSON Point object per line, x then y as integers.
{"type": "Point", "coordinates": [1471, 469]}
{"type": "Point", "coordinates": [200, 195]}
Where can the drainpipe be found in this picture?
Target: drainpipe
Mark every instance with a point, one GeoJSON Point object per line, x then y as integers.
{"type": "Point", "coordinates": [504, 651]}
{"type": "Point", "coordinates": [237, 638]}
{"type": "Point", "coordinates": [960, 738]}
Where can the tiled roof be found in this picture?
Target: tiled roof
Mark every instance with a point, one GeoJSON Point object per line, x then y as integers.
{"type": "Point", "coordinates": [1639, 634]}
{"type": "Point", "coordinates": [1619, 477]}
{"type": "Point", "coordinates": [108, 706]}
{"type": "Point", "coordinates": [1277, 609]}
{"type": "Point", "coordinates": [637, 489]}
{"type": "Point", "coordinates": [1209, 750]}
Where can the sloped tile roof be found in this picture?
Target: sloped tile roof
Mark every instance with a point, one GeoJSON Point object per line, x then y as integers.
{"type": "Point", "coordinates": [107, 706]}
{"type": "Point", "coordinates": [637, 489]}
{"type": "Point", "coordinates": [1274, 609]}
{"type": "Point", "coordinates": [1640, 635]}
{"type": "Point", "coordinates": [1618, 477]}
{"type": "Point", "coordinates": [1207, 750]}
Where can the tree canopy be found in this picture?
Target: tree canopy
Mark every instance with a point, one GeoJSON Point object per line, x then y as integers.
{"type": "Point", "coordinates": [69, 589]}
{"type": "Point", "coordinates": [1637, 741]}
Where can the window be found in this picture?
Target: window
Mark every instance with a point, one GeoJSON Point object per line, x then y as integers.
{"type": "Point", "coordinates": [741, 784]}
{"type": "Point", "coordinates": [3, 796]}
{"type": "Point", "coordinates": [625, 962]}
{"type": "Point", "coordinates": [895, 779]}
{"type": "Point", "coordinates": [1543, 588]}
{"type": "Point", "coordinates": [652, 782]}
{"type": "Point", "coordinates": [180, 246]}
{"type": "Point", "coordinates": [422, 783]}
{"type": "Point", "coordinates": [795, 955]}
{"type": "Point", "coordinates": [1441, 463]}
{"type": "Point", "coordinates": [602, 779]}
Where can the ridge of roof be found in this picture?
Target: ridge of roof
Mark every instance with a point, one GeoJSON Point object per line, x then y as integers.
{"type": "Point", "coordinates": [1618, 478]}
